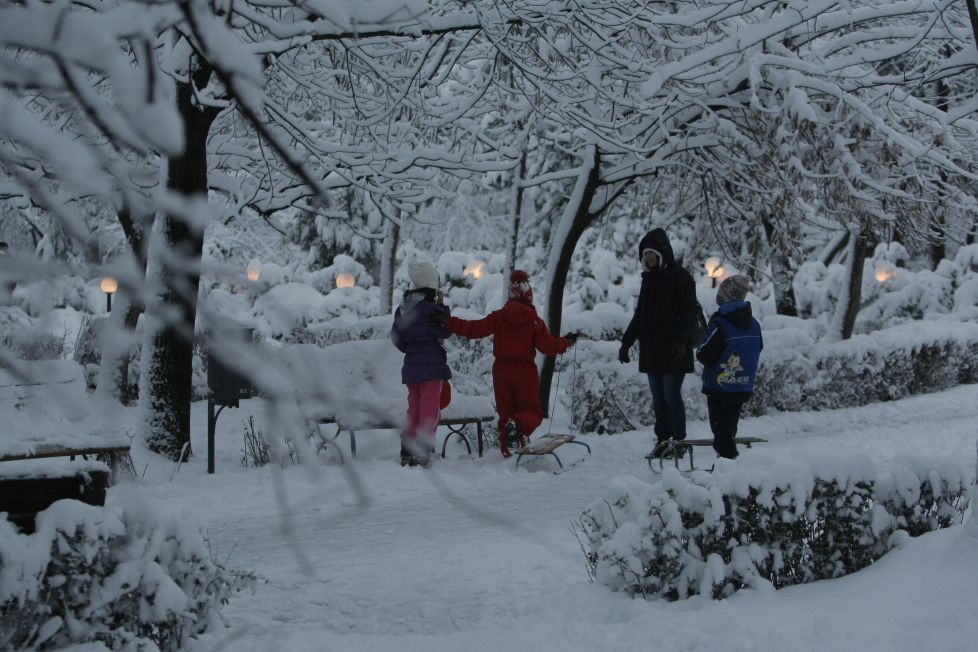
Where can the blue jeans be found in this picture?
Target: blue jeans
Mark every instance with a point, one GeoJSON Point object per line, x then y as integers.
{"type": "Point", "coordinates": [667, 402]}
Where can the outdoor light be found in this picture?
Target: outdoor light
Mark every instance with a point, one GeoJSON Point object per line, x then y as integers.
{"type": "Point", "coordinates": [884, 272]}
{"type": "Point", "coordinates": [345, 280]}
{"type": "Point", "coordinates": [714, 269]}
{"type": "Point", "coordinates": [475, 269]}
{"type": "Point", "coordinates": [253, 272]}
{"type": "Point", "coordinates": [109, 285]}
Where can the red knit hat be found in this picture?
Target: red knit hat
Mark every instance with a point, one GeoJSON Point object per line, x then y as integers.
{"type": "Point", "coordinates": [519, 286]}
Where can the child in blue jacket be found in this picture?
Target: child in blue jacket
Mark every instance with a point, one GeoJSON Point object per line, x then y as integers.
{"type": "Point", "coordinates": [729, 352]}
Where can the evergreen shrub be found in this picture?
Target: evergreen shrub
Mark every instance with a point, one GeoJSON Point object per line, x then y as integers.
{"type": "Point", "coordinates": [139, 580]}
{"type": "Point", "coordinates": [714, 534]}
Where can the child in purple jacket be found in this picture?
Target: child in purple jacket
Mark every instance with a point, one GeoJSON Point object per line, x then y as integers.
{"type": "Point", "coordinates": [425, 362]}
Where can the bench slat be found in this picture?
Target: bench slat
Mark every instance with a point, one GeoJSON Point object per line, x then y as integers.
{"type": "Point", "coordinates": [385, 425]}
{"type": "Point", "coordinates": [45, 450]}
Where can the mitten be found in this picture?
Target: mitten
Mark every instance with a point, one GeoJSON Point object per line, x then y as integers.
{"type": "Point", "coordinates": [623, 355]}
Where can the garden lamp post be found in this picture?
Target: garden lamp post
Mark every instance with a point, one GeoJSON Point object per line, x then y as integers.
{"type": "Point", "coordinates": [109, 285]}
{"type": "Point", "coordinates": [714, 270]}
{"type": "Point", "coordinates": [345, 280]}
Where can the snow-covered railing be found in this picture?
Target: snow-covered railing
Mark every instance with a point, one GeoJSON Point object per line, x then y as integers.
{"type": "Point", "coordinates": [738, 527]}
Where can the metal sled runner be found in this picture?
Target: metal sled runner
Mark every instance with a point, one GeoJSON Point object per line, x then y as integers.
{"type": "Point", "coordinates": [678, 448]}
{"type": "Point", "coordinates": [546, 445]}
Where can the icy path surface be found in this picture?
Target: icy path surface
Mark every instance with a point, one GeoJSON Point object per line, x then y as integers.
{"type": "Point", "coordinates": [475, 555]}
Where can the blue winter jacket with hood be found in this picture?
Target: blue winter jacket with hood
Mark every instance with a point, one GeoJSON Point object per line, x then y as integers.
{"type": "Point", "coordinates": [730, 350]}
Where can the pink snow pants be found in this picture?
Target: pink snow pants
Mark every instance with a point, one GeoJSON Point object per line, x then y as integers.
{"type": "Point", "coordinates": [423, 411]}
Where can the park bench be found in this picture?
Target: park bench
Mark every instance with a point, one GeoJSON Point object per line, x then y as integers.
{"type": "Point", "coordinates": [356, 386]}
{"type": "Point", "coordinates": [26, 491]}
{"type": "Point", "coordinates": [678, 448]}
{"type": "Point", "coordinates": [48, 414]}
{"type": "Point", "coordinates": [456, 427]}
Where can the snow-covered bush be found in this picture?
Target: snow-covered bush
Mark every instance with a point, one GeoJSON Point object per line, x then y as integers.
{"type": "Point", "coordinates": [796, 373]}
{"type": "Point", "coordinates": [138, 579]}
{"type": "Point", "coordinates": [714, 534]}
{"type": "Point", "coordinates": [882, 366]}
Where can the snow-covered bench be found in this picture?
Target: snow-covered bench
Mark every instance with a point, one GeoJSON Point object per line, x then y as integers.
{"type": "Point", "coordinates": [32, 488]}
{"type": "Point", "coordinates": [48, 413]}
{"type": "Point", "coordinates": [357, 386]}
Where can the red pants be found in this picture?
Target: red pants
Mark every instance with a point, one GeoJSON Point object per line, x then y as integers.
{"type": "Point", "coordinates": [516, 385]}
{"type": "Point", "coordinates": [423, 411]}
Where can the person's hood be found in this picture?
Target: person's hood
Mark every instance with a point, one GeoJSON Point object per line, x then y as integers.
{"type": "Point", "coordinates": [737, 313]}
{"type": "Point", "coordinates": [413, 298]}
{"type": "Point", "coordinates": [658, 240]}
{"type": "Point", "coordinates": [518, 313]}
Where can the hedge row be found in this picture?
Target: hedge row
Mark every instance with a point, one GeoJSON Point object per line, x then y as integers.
{"type": "Point", "coordinates": [745, 528]}
{"type": "Point", "coordinates": [881, 366]}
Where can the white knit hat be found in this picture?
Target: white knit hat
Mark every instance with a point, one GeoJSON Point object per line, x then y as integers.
{"type": "Point", "coordinates": [423, 275]}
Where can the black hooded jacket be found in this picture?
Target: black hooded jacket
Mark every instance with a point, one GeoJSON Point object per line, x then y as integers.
{"type": "Point", "coordinates": [665, 323]}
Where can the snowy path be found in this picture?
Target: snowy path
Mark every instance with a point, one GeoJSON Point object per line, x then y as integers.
{"type": "Point", "coordinates": [474, 555]}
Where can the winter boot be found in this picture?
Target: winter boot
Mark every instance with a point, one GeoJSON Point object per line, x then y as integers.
{"type": "Point", "coordinates": [661, 451]}
{"type": "Point", "coordinates": [512, 432]}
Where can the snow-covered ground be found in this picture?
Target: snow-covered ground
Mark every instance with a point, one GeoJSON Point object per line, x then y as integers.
{"type": "Point", "coordinates": [473, 554]}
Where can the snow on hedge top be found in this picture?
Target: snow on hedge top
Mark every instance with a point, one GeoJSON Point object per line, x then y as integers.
{"type": "Point", "coordinates": [359, 383]}
{"type": "Point", "coordinates": [44, 402]}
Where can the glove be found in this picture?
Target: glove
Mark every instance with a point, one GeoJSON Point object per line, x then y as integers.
{"type": "Point", "coordinates": [572, 336]}
{"type": "Point", "coordinates": [437, 319]}
{"type": "Point", "coordinates": [623, 355]}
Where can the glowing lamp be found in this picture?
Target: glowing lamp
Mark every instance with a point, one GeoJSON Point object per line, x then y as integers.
{"type": "Point", "coordinates": [476, 269]}
{"type": "Point", "coordinates": [345, 280]}
{"type": "Point", "coordinates": [109, 285]}
{"type": "Point", "coordinates": [713, 267]}
{"type": "Point", "coordinates": [884, 272]}
{"type": "Point", "coordinates": [253, 271]}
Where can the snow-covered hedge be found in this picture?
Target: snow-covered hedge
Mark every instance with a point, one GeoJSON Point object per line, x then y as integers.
{"type": "Point", "coordinates": [88, 574]}
{"type": "Point", "coordinates": [714, 534]}
{"type": "Point", "coordinates": [882, 366]}
{"type": "Point", "coordinates": [796, 373]}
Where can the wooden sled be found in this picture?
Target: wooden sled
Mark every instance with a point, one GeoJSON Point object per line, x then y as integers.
{"type": "Point", "coordinates": [680, 447]}
{"type": "Point", "coordinates": [546, 445]}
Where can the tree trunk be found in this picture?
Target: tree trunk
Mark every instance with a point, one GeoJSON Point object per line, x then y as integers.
{"type": "Point", "coordinates": [516, 217]}
{"type": "Point", "coordinates": [849, 300]}
{"type": "Point", "coordinates": [388, 265]}
{"type": "Point", "coordinates": [973, 18]}
{"type": "Point", "coordinates": [576, 218]}
{"type": "Point", "coordinates": [781, 271]}
{"type": "Point", "coordinates": [167, 370]}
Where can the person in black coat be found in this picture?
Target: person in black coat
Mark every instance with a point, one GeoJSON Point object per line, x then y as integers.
{"type": "Point", "coordinates": [666, 327]}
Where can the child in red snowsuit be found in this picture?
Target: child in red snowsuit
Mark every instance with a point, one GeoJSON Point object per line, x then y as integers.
{"type": "Point", "coordinates": [518, 333]}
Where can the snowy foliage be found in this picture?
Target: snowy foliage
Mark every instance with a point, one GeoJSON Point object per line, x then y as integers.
{"type": "Point", "coordinates": [714, 534]}
{"type": "Point", "coordinates": [141, 579]}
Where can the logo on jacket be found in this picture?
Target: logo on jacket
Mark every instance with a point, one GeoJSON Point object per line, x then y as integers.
{"type": "Point", "coordinates": [730, 368]}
